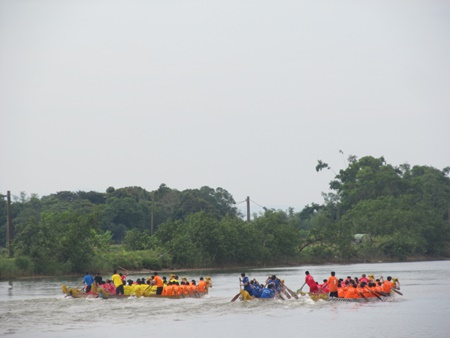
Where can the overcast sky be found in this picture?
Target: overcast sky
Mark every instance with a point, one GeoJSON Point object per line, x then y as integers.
{"type": "Point", "coordinates": [243, 95]}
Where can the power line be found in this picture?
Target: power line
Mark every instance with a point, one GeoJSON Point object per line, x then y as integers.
{"type": "Point", "coordinates": [258, 204]}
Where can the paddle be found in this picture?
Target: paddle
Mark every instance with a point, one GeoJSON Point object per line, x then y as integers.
{"type": "Point", "coordinates": [293, 294]}
{"type": "Point", "coordinates": [396, 291]}
{"type": "Point", "coordinates": [376, 295]}
{"type": "Point", "coordinates": [287, 294]}
{"type": "Point", "coordinates": [240, 288]}
{"type": "Point", "coordinates": [365, 298]}
{"type": "Point", "coordinates": [300, 291]}
{"type": "Point", "coordinates": [383, 293]}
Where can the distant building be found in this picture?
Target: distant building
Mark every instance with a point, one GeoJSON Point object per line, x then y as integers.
{"type": "Point", "coordinates": [360, 238]}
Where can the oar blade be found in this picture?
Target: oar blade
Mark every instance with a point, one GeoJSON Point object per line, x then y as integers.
{"type": "Point", "coordinates": [235, 297]}
{"type": "Point", "coordinates": [396, 291]}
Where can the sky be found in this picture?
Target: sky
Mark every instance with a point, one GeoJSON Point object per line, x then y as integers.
{"type": "Point", "coordinates": [242, 95]}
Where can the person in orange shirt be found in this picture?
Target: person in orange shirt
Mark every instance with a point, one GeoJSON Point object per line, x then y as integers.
{"type": "Point", "coordinates": [176, 289]}
{"type": "Point", "coordinates": [183, 289]}
{"type": "Point", "coordinates": [387, 284]}
{"type": "Point", "coordinates": [364, 289]}
{"type": "Point", "coordinates": [159, 283]}
{"type": "Point", "coordinates": [168, 290]}
{"type": "Point", "coordinates": [201, 287]}
{"type": "Point", "coordinates": [352, 292]}
{"type": "Point", "coordinates": [333, 284]}
{"type": "Point", "coordinates": [190, 289]}
{"type": "Point", "coordinates": [343, 289]}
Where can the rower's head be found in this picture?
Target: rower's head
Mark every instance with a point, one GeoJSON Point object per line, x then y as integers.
{"type": "Point", "coordinates": [389, 278]}
{"type": "Point", "coordinates": [307, 273]}
{"type": "Point", "coordinates": [243, 274]}
{"type": "Point", "coordinates": [333, 273]}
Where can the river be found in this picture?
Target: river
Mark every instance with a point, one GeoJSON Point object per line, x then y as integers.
{"type": "Point", "coordinates": [37, 308]}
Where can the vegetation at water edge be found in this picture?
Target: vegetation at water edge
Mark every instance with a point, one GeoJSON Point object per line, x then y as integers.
{"type": "Point", "coordinates": [374, 211]}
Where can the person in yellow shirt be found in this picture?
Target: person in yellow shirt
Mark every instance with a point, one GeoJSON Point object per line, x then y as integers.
{"type": "Point", "coordinates": [117, 280]}
{"type": "Point", "coordinates": [208, 282]}
{"type": "Point", "coordinates": [128, 288]}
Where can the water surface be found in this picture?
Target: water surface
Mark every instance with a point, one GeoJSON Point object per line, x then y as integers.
{"type": "Point", "coordinates": [37, 308]}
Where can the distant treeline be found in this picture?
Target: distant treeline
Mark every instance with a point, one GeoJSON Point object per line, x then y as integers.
{"type": "Point", "coordinates": [375, 211]}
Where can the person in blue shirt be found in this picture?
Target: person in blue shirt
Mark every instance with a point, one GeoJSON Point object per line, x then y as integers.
{"type": "Point", "coordinates": [275, 281]}
{"type": "Point", "coordinates": [257, 288]}
{"type": "Point", "coordinates": [88, 280]}
{"type": "Point", "coordinates": [268, 292]}
{"type": "Point", "coordinates": [246, 284]}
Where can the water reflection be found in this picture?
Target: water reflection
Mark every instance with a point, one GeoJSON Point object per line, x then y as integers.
{"type": "Point", "coordinates": [419, 313]}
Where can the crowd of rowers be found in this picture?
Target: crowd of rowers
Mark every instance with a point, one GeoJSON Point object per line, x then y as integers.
{"type": "Point", "coordinates": [362, 287]}
{"type": "Point", "coordinates": [153, 285]}
{"type": "Point", "coordinates": [272, 287]}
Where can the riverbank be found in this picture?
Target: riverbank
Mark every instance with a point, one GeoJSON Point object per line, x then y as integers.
{"type": "Point", "coordinates": [227, 268]}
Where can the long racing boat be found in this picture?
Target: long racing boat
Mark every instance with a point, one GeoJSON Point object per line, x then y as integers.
{"type": "Point", "coordinates": [103, 294]}
{"type": "Point", "coordinates": [325, 297]}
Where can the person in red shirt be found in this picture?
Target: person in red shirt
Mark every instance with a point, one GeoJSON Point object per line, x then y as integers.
{"type": "Point", "coordinates": [324, 287]}
{"type": "Point", "coordinates": [311, 282]}
{"type": "Point", "coordinates": [363, 279]}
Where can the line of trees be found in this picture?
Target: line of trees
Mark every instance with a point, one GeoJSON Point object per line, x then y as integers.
{"type": "Point", "coordinates": [401, 212]}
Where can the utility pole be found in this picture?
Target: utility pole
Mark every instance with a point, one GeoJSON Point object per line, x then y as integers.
{"type": "Point", "coordinates": [8, 223]}
{"type": "Point", "coordinates": [248, 208]}
{"type": "Point", "coordinates": [153, 213]}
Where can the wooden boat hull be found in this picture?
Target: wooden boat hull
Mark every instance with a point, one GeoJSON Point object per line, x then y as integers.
{"type": "Point", "coordinates": [76, 293]}
{"type": "Point", "coordinates": [245, 296]}
{"type": "Point", "coordinates": [325, 297]}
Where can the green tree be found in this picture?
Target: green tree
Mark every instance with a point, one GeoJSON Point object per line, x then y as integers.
{"type": "Point", "coordinates": [64, 238]}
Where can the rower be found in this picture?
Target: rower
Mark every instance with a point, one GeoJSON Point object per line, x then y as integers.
{"type": "Point", "coordinates": [387, 284]}
{"type": "Point", "coordinates": [245, 282]}
{"type": "Point", "coordinates": [309, 279]}
{"type": "Point", "coordinates": [268, 292]}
